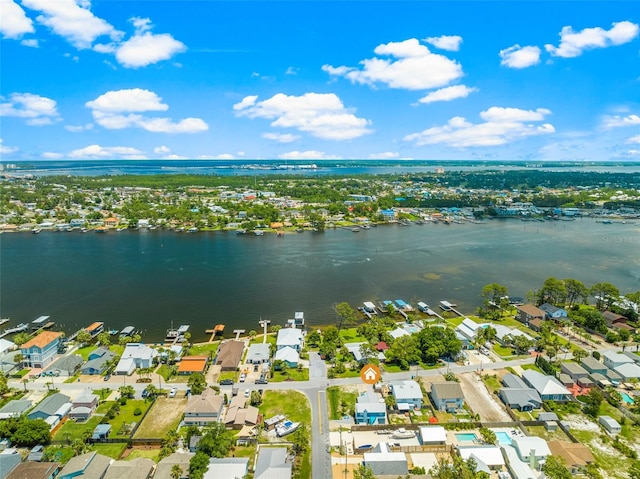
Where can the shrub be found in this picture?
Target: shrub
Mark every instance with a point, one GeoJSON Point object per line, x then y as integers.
{"type": "Point", "coordinates": [137, 411]}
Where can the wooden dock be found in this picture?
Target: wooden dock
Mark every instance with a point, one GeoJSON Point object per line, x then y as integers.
{"type": "Point", "coordinates": [218, 329]}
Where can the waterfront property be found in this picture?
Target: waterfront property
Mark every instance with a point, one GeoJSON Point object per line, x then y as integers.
{"type": "Point", "coordinates": [135, 355]}
{"type": "Point", "coordinates": [95, 328]}
{"type": "Point", "coordinates": [39, 352]}
{"type": "Point", "coordinates": [529, 312]}
{"type": "Point", "coordinates": [553, 312]}
{"type": "Point", "coordinates": [193, 364]}
{"type": "Point", "coordinates": [258, 353]}
{"type": "Point", "coordinates": [289, 337]}
{"type": "Point", "coordinates": [229, 355]}
{"type": "Point", "coordinates": [98, 362]}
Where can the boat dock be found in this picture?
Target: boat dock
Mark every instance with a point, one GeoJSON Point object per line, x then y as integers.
{"type": "Point", "coordinates": [447, 306]}
{"type": "Point", "coordinates": [4, 321]}
{"type": "Point", "coordinates": [16, 329]}
{"type": "Point", "coordinates": [41, 322]}
{"type": "Point", "coordinates": [176, 335]}
{"type": "Point", "coordinates": [426, 309]}
{"type": "Point", "coordinates": [218, 329]}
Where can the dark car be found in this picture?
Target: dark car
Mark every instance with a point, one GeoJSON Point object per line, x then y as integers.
{"type": "Point", "coordinates": [262, 381]}
{"type": "Point", "coordinates": [145, 393]}
{"type": "Point", "coordinates": [227, 382]}
{"type": "Point", "coordinates": [107, 377]}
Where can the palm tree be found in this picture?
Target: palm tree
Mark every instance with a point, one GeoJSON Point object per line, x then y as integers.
{"type": "Point", "coordinates": [176, 471]}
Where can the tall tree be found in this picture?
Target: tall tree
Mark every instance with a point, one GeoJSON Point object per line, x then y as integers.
{"type": "Point", "coordinates": [346, 315]}
{"type": "Point", "coordinates": [553, 291]}
{"type": "Point", "coordinates": [197, 383]}
{"type": "Point", "coordinates": [495, 300]}
{"type": "Point", "coordinates": [576, 290]}
{"type": "Point", "coordinates": [605, 294]}
{"type": "Point", "coordinates": [555, 468]}
{"type": "Point", "coordinates": [84, 337]}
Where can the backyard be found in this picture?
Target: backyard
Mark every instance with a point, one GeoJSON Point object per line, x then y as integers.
{"type": "Point", "coordinates": [341, 401]}
{"type": "Point", "coordinates": [164, 416]}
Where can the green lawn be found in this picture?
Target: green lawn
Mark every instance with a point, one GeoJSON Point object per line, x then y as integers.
{"type": "Point", "coordinates": [84, 352]}
{"type": "Point", "coordinates": [341, 402]}
{"type": "Point", "coordinates": [59, 453]}
{"type": "Point", "coordinates": [72, 430]}
{"type": "Point", "coordinates": [113, 450]}
{"type": "Point", "coordinates": [492, 383]}
{"type": "Point", "coordinates": [166, 371]}
{"type": "Point", "coordinates": [204, 348]}
{"type": "Point", "coordinates": [348, 374]}
{"type": "Point", "coordinates": [228, 375]}
{"type": "Point", "coordinates": [531, 366]}
{"type": "Point", "coordinates": [271, 339]}
{"type": "Point", "coordinates": [351, 335]}
{"type": "Point", "coordinates": [152, 454]}
{"type": "Point", "coordinates": [125, 416]}
{"type": "Point", "coordinates": [290, 374]}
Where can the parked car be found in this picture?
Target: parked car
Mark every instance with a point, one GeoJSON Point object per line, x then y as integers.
{"type": "Point", "coordinates": [107, 377]}
{"type": "Point", "coordinates": [262, 381]}
{"type": "Point", "coordinates": [247, 393]}
{"type": "Point", "coordinates": [173, 392]}
{"type": "Point", "coordinates": [243, 376]}
{"type": "Point", "coordinates": [145, 393]}
{"type": "Point", "coordinates": [227, 382]}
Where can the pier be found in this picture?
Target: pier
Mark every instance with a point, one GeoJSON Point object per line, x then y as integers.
{"type": "Point", "coordinates": [447, 306]}
{"type": "Point", "coordinates": [17, 329]}
{"type": "Point", "coordinates": [218, 329]}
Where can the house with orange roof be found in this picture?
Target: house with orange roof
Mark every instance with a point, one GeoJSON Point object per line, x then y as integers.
{"type": "Point", "coordinates": [112, 221]}
{"type": "Point", "coordinates": [95, 328]}
{"type": "Point", "coordinates": [40, 351]}
{"type": "Point", "coordinates": [193, 364]}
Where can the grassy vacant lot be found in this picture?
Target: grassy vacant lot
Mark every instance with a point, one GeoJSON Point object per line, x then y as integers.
{"type": "Point", "coordinates": [166, 371]}
{"type": "Point", "coordinates": [126, 416]}
{"type": "Point", "coordinates": [341, 401]}
{"type": "Point", "coordinates": [492, 382]}
{"type": "Point", "coordinates": [204, 348]}
{"type": "Point", "coordinates": [614, 463]}
{"type": "Point", "coordinates": [164, 416]}
{"type": "Point", "coordinates": [114, 450]}
{"type": "Point", "coordinates": [271, 339]}
{"type": "Point", "coordinates": [152, 454]}
{"type": "Point", "coordinates": [290, 374]}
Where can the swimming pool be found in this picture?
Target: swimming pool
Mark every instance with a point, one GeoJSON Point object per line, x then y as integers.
{"type": "Point", "coordinates": [466, 437]}
{"type": "Point", "coordinates": [503, 438]}
{"type": "Point", "coordinates": [626, 398]}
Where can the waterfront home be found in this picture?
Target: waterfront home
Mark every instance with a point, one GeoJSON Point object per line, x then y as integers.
{"type": "Point", "coordinates": [95, 328]}
{"type": "Point", "coordinates": [290, 337]}
{"type": "Point", "coordinates": [140, 467]}
{"type": "Point", "coordinates": [610, 425]}
{"type": "Point", "coordinates": [553, 312]}
{"type": "Point", "coordinates": [384, 462]}
{"type": "Point", "coordinates": [531, 449]}
{"type": "Point", "coordinates": [549, 388]}
{"type": "Point", "coordinates": [15, 408]}
{"type": "Point", "coordinates": [356, 350]}
{"type": "Point", "coordinates": [34, 470]}
{"type": "Point", "coordinates": [593, 366]}
{"type": "Point", "coordinates": [98, 361]}
{"type": "Point", "coordinates": [398, 333]}
{"type": "Point", "coordinates": [433, 436]}
{"type": "Point", "coordinates": [273, 462]}
{"type": "Point", "coordinates": [86, 466]}
{"type": "Point", "coordinates": [447, 396]}
{"type": "Point", "coordinates": [370, 409]}
{"type": "Point", "coordinates": [613, 359]}
{"type": "Point", "coordinates": [488, 458]}
{"type": "Point", "coordinates": [527, 312]}
{"type": "Point", "coordinates": [612, 318]}
{"type": "Point", "coordinates": [505, 334]}
{"type": "Point", "coordinates": [135, 355]}
{"type": "Point", "coordinates": [407, 394]}
{"type": "Point", "coordinates": [193, 364]}
{"type": "Point", "coordinates": [51, 409]}
{"type": "Point", "coordinates": [66, 366]}
{"type": "Point", "coordinates": [6, 345]}
{"type": "Point", "coordinates": [258, 353]}
{"type": "Point", "coordinates": [39, 352]}
{"type": "Point", "coordinates": [628, 371]}
{"type": "Point", "coordinates": [229, 355]}
{"type": "Point", "coordinates": [203, 409]}
{"type": "Point", "coordinates": [574, 370]}
{"type": "Point", "coordinates": [467, 331]}
{"type": "Point", "coordinates": [227, 468]}
{"type": "Point", "coordinates": [576, 456]}
{"type": "Point", "coordinates": [165, 466]}
{"type": "Point", "coordinates": [288, 355]}
{"type": "Point", "coordinates": [633, 356]}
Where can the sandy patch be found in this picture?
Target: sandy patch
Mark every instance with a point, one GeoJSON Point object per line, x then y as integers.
{"type": "Point", "coordinates": [581, 423]}
{"type": "Point", "coordinates": [480, 400]}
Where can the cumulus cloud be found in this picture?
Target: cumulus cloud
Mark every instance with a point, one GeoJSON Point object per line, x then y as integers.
{"type": "Point", "coordinates": [36, 109]}
{"type": "Point", "coordinates": [292, 71]}
{"type": "Point", "coordinates": [520, 57]}
{"type": "Point", "coordinates": [501, 126]}
{"type": "Point", "coordinates": [307, 155]}
{"type": "Point", "coordinates": [634, 139]}
{"type": "Point", "coordinates": [145, 48]}
{"type": "Point", "coordinates": [280, 137]}
{"type": "Point", "coordinates": [5, 150]}
{"type": "Point", "coordinates": [386, 155]}
{"type": "Point", "coordinates": [118, 109]}
{"type": "Point", "coordinates": [14, 22]}
{"type": "Point", "coordinates": [448, 93]}
{"type": "Point", "coordinates": [31, 42]}
{"type": "Point", "coordinates": [445, 42]}
{"type": "Point", "coordinates": [320, 114]}
{"type": "Point", "coordinates": [73, 20]}
{"type": "Point", "coordinates": [78, 128]}
{"type": "Point", "coordinates": [573, 44]}
{"type": "Point", "coordinates": [161, 150]}
{"type": "Point", "coordinates": [617, 121]}
{"type": "Point", "coordinates": [108, 152]}
{"type": "Point", "coordinates": [406, 65]}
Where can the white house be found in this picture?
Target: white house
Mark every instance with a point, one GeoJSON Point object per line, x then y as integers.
{"type": "Point", "coordinates": [611, 425]}
{"type": "Point", "coordinates": [531, 449]}
{"type": "Point", "coordinates": [289, 355]}
{"type": "Point", "coordinates": [488, 458]}
{"type": "Point", "coordinates": [613, 359]}
{"type": "Point", "coordinates": [383, 462]}
{"type": "Point", "coordinates": [628, 371]}
{"type": "Point", "coordinates": [291, 337]}
{"type": "Point", "coordinates": [433, 435]}
{"type": "Point", "coordinates": [135, 355]}
{"type": "Point", "coordinates": [407, 393]}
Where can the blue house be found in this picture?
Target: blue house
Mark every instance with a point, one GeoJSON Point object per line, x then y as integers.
{"type": "Point", "coordinates": [553, 312]}
{"type": "Point", "coordinates": [40, 351]}
{"type": "Point", "coordinates": [371, 409]}
{"type": "Point", "coordinates": [388, 215]}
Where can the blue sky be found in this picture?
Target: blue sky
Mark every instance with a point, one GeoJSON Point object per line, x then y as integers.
{"type": "Point", "coordinates": [311, 80]}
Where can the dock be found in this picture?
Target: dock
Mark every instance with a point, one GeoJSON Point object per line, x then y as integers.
{"type": "Point", "coordinates": [3, 321]}
{"type": "Point", "coordinates": [40, 322]}
{"type": "Point", "coordinates": [426, 309]}
{"type": "Point", "coordinates": [447, 306]}
{"type": "Point", "coordinates": [16, 329]}
{"type": "Point", "coordinates": [218, 329]}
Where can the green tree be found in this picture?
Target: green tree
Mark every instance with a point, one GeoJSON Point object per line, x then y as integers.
{"type": "Point", "coordinates": [198, 465]}
{"type": "Point", "coordinates": [25, 432]}
{"type": "Point", "coordinates": [404, 351]}
{"type": "Point", "coordinates": [634, 470]}
{"type": "Point", "coordinates": [488, 435]}
{"type": "Point", "coordinates": [575, 290]}
{"type": "Point", "coordinates": [104, 339]}
{"type": "Point", "coordinates": [363, 472]}
{"type": "Point", "coordinates": [4, 384]}
{"type": "Point", "coordinates": [216, 441]}
{"type": "Point", "coordinates": [197, 383]}
{"type": "Point", "coordinates": [592, 402]}
{"type": "Point", "coordinates": [20, 338]}
{"type": "Point", "coordinates": [127, 391]}
{"type": "Point", "coordinates": [84, 337]}
{"type": "Point", "coordinates": [176, 471]}
{"type": "Point", "coordinates": [555, 468]}
{"type": "Point", "coordinates": [553, 291]}
{"type": "Point", "coordinates": [495, 300]}
{"type": "Point", "coordinates": [346, 315]}
{"type": "Point", "coordinates": [18, 358]}
{"type": "Point", "coordinates": [579, 354]}
{"type": "Point", "coordinates": [605, 294]}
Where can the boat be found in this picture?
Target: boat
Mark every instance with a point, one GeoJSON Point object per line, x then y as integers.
{"type": "Point", "coordinates": [402, 433]}
{"type": "Point", "coordinates": [258, 232]}
{"type": "Point", "coordinates": [241, 231]}
{"type": "Point", "coordinates": [193, 229]}
{"type": "Point", "coordinates": [101, 229]}
{"type": "Point", "coordinates": [356, 230]}
{"type": "Point", "coordinates": [286, 427]}
{"type": "Point", "coordinates": [36, 231]}
{"type": "Point", "coordinates": [299, 230]}
{"type": "Point", "coordinates": [113, 332]}
{"type": "Point", "coordinates": [365, 227]}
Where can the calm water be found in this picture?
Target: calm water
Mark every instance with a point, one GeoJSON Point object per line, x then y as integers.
{"type": "Point", "coordinates": [150, 278]}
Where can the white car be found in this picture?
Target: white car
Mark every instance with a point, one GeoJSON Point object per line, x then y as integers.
{"type": "Point", "coordinates": [173, 392]}
{"type": "Point", "coordinates": [246, 393]}
{"type": "Point", "coordinates": [243, 376]}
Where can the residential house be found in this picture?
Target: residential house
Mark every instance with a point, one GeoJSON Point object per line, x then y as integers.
{"type": "Point", "coordinates": [227, 468]}
{"type": "Point", "coordinates": [290, 337]}
{"type": "Point", "coordinates": [84, 406]}
{"type": "Point", "coordinates": [55, 406]}
{"type": "Point", "coordinates": [258, 353]}
{"type": "Point", "coordinates": [613, 359]}
{"type": "Point", "coordinates": [610, 425]}
{"type": "Point", "coordinates": [384, 462]}
{"type": "Point", "coordinates": [574, 370]}
{"type": "Point", "coordinates": [527, 312]}
{"type": "Point", "coordinates": [593, 366]}
{"type": "Point", "coordinates": [531, 449]}
{"type": "Point", "coordinates": [612, 318]}
{"type": "Point", "coordinates": [356, 350]}
{"type": "Point", "coordinates": [433, 436]}
{"type": "Point", "coordinates": [86, 466]}
{"type": "Point", "coordinates": [98, 361]}
{"type": "Point", "coordinates": [505, 334]}
{"type": "Point", "coordinates": [65, 366]}
{"type": "Point", "coordinates": [407, 394]}
{"type": "Point", "coordinates": [370, 409]}
{"type": "Point", "coordinates": [522, 399]}
{"type": "Point", "coordinates": [193, 364]}
{"type": "Point", "coordinates": [138, 468]}
{"type": "Point", "coordinates": [135, 355]}
{"type": "Point", "coordinates": [39, 352]}
{"type": "Point", "coordinates": [447, 396]}
{"type": "Point", "coordinates": [398, 333]}
{"type": "Point", "coordinates": [239, 414]}
{"type": "Point", "coordinates": [165, 466]}
{"type": "Point", "coordinates": [9, 460]}
{"type": "Point", "coordinates": [467, 331]}
{"type": "Point", "coordinates": [628, 371]}
{"type": "Point", "coordinates": [517, 468]}
{"type": "Point", "coordinates": [289, 355]}
{"type": "Point", "coordinates": [229, 355]}
{"type": "Point", "coordinates": [488, 458]}
{"type": "Point", "coordinates": [15, 408]}
{"type": "Point", "coordinates": [35, 470]}
{"type": "Point", "coordinates": [553, 312]}
{"type": "Point", "coordinates": [101, 432]}
{"type": "Point", "coordinates": [95, 328]}
{"type": "Point", "coordinates": [203, 409]}
{"type": "Point", "coordinates": [576, 456]}
{"type": "Point", "coordinates": [272, 462]}
{"type": "Point", "coordinates": [536, 325]}
{"type": "Point", "coordinates": [6, 345]}
{"type": "Point", "coordinates": [549, 388]}
{"type": "Point", "coordinates": [634, 356]}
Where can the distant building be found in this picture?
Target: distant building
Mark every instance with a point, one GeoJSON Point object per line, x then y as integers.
{"type": "Point", "coordinates": [553, 312]}
{"type": "Point", "coordinates": [528, 312]}
{"type": "Point", "coordinates": [39, 352]}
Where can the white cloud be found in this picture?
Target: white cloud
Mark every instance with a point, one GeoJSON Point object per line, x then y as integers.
{"type": "Point", "coordinates": [520, 57]}
{"type": "Point", "coordinates": [37, 110]}
{"type": "Point", "coordinates": [78, 128]}
{"type": "Point", "coordinates": [280, 137]}
{"type": "Point", "coordinates": [448, 93]}
{"type": "Point", "coordinates": [618, 121]}
{"type": "Point", "coordinates": [145, 48]}
{"type": "Point", "coordinates": [411, 66]}
{"type": "Point", "coordinates": [387, 155]}
{"type": "Point", "coordinates": [501, 126]}
{"type": "Point", "coordinates": [5, 150]}
{"type": "Point", "coordinates": [31, 42]}
{"type": "Point", "coordinates": [320, 114]}
{"type": "Point", "coordinates": [573, 44]}
{"type": "Point", "coordinates": [445, 42]}
{"type": "Point", "coordinates": [72, 20]}
{"type": "Point", "coordinates": [14, 22]}
{"type": "Point", "coordinates": [292, 71]}
{"type": "Point", "coordinates": [634, 139]}
{"type": "Point", "coordinates": [50, 155]}
{"type": "Point", "coordinates": [119, 109]}
{"type": "Point", "coordinates": [161, 150]}
{"type": "Point", "coordinates": [108, 152]}
{"type": "Point", "coordinates": [307, 155]}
